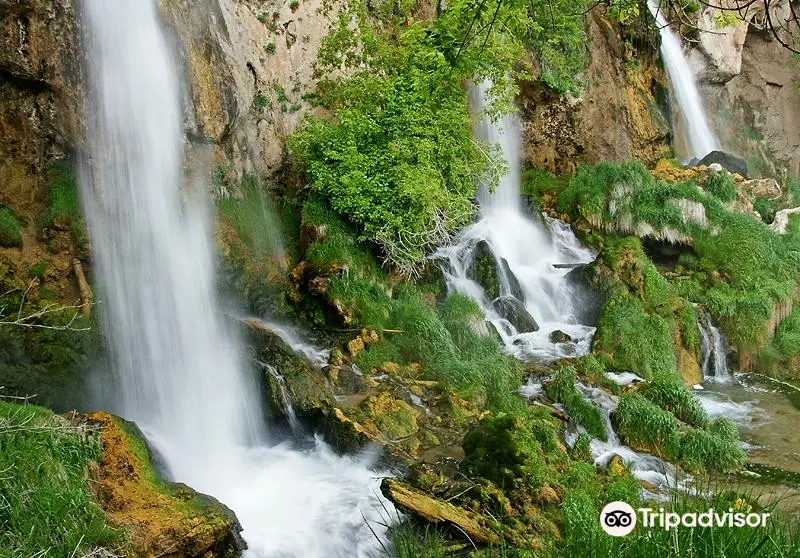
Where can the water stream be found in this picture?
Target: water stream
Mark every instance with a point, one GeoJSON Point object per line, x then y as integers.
{"type": "Point", "coordinates": [175, 368]}
{"type": "Point", "coordinates": [532, 253]}
{"type": "Point", "coordinates": [698, 136]}
{"type": "Point", "coordinates": [713, 350]}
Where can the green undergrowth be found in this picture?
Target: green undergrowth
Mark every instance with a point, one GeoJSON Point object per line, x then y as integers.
{"type": "Point", "coordinates": [670, 393]}
{"type": "Point", "coordinates": [712, 447]}
{"type": "Point", "coordinates": [731, 262]}
{"type": "Point", "coordinates": [644, 321]}
{"type": "Point", "coordinates": [47, 362]}
{"type": "Point", "coordinates": [253, 216]}
{"type": "Point", "coordinates": [447, 337]}
{"type": "Point", "coordinates": [46, 506]}
{"type": "Point", "coordinates": [63, 207]}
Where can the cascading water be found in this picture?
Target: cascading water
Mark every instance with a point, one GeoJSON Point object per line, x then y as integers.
{"type": "Point", "coordinates": [532, 257]}
{"type": "Point", "coordinates": [178, 372]}
{"type": "Point", "coordinates": [713, 350]}
{"type": "Point", "coordinates": [700, 139]}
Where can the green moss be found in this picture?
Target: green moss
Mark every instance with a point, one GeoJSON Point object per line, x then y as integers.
{"type": "Point", "coordinates": [503, 450]}
{"type": "Point", "coordinates": [10, 229]}
{"type": "Point", "coordinates": [63, 208]}
{"type": "Point", "coordinates": [562, 389]}
{"type": "Point", "coordinates": [45, 499]}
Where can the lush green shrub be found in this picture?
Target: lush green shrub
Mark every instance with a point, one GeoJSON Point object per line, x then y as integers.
{"type": "Point", "coordinates": [45, 501]}
{"type": "Point", "coordinates": [558, 42]}
{"type": "Point", "coordinates": [670, 393]}
{"type": "Point", "coordinates": [10, 229]}
{"type": "Point", "coordinates": [502, 449]}
{"type": "Point", "coordinates": [644, 424]}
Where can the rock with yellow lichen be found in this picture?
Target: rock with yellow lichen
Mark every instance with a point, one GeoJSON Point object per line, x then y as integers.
{"type": "Point", "coordinates": [161, 518]}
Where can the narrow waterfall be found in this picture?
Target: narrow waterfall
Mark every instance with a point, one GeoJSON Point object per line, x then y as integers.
{"type": "Point", "coordinates": [176, 368]}
{"type": "Point", "coordinates": [700, 139]}
{"type": "Point", "coordinates": [532, 256]}
{"type": "Point", "coordinates": [713, 350]}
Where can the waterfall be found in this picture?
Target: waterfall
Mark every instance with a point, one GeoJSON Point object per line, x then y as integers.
{"type": "Point", "coordinates": [713, 350]}
{"type": "Point", "coordinates": [176, 369]}
{"type": "Point", "coordinates": [532, 256]}
{"type": "Point", "coordinates": [700, 140]}
{"type": "Point", "coordinates": [286, 401]}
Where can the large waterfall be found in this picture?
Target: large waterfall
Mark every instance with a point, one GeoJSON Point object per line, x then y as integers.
{"type": "Point", "coordinates": [177, 369]}
{"type": "Point", "coordinates": [700, 139]}
{"type": "Point", "coordinates": [532, 254]}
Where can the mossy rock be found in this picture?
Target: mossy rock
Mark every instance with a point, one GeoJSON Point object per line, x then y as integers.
{"type": "Point", "coordinates": [305, 386]}
{"type": "Point", "coordinates": [503, 450]}
{"type": "Point", "coordinates": [484, 270]}
{"type": "Point", "coordinates": [10, 229]}
{"type": "Point", "coordinates": [161, 518]}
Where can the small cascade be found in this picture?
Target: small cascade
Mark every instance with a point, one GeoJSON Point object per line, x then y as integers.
{"type": "Point", "coordinates": [298, 342]}
{"type": "Point", "coordinates": [286, 402]}
{"type": "Point", "coordinates": [532, 306]}
{"type": "Point", "coordinates": [713, 350]}
{"type": "Point", "coordinates": [648, 468]}
{"type": "Point", "coordinates": [700, 139]}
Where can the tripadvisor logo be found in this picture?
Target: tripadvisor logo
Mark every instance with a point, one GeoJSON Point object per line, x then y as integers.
{"type": "Point", "coordinates": [619, 518]}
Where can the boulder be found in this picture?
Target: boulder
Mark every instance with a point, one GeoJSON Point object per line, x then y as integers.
{"type": "Point", "coordinates": [161, 518]}
{"type": "Point", "coordinates": [484, 270]}
{"type": "Point", "coordinates": [722, 45]}
{"type": "Point", "coordinates": [515, 288]}
{"type": "Point", "coordinates": [781, 221]}
{"type": "Point", "coordinates": [731, 163]}
{"type": "Point", "coordinates": [513, 310]}
{"type": "Point", "coordinates": [559, 336]}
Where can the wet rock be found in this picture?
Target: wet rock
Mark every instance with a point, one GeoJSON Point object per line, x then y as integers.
{"type": "Point", "coordinates": [587, 298]}
{"type": "Point", "coordinates": [484, 270]}
{"type": "Point", "coordinates": [513, 282]}
{"type": "Point", "coordinates": [161, 518]}
{"type": "Point", "coordinates": [731, 163]}
{"type": "Point", "coordinates": [436, 511]}
{"type": "Point", "coordinates": [559, 336]}
{"type": "Point", "coordinates": [513, 310]}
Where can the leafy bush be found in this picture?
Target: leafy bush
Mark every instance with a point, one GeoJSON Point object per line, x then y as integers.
{"type": "Point", "coordinates": [45, 501]}
{"type": "Point", "coordinates": [558, 42]}
{"type": "Point", "coordinates": [10, 229]}
{"type": "Point", "coordinates": [670, 393]}
{"type": "Point", "coordinates": [398, 158]}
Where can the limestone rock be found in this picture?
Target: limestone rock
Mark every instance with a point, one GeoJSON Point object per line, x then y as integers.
{"type": "Point", "coordinates": [721, 45]}
{"type": "Point", "coordinates": [782, 217]}
{"type": "Point", "coordinates": [355, 346]}
{"type": "Point", "coordinates": [436, 511]}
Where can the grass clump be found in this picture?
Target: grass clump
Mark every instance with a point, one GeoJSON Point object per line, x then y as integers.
{"type": "Point", "coordinates": [721, 186]}
{"type": "Point", "coordinates": [562, 389]}
{"type": "Point", "coordinates": [10, 229]}
{"type": "Point", "coordinates": [670, 393]}
{"type": "Point", "coordinates": [642, 423]}
{"type": "Point", "coordinates": [45, 501]}
{"type": "Point", "coordinates": [716, 448]}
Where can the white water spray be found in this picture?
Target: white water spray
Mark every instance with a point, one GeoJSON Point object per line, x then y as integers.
{"type": "Point", "coordinates": [533, 255]}
{"type": "Point", "coordinates": [700, 140]}
{"type": "Point", "coordinates": [177, 369]}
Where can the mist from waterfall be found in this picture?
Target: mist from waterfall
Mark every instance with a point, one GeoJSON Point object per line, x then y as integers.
{"type": "Point", "coordinates": [176, 367]}
{"type": "Point", "coordinates": [533, 255]}
{"type": "Point", "coordinates": [700, 139]}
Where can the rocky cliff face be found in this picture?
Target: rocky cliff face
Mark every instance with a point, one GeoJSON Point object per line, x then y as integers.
{"type": "Point", "coordinates": [616, 117]}
{"type": "Point", "coordinates": [748, 80]}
